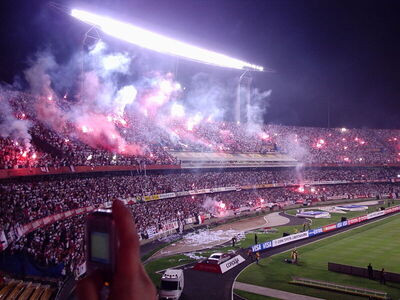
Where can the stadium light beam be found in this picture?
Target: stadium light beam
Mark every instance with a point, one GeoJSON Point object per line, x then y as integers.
{"type": "Point", "coordinates": [156, 42]}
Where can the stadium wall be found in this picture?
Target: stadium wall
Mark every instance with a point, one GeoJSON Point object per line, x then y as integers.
{"type": "Point", "coordinates": [10, 173]}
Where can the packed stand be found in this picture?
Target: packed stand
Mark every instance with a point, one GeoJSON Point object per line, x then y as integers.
{"type": "Point", "coordinates": [26, 200]}
{"type": "Point", "coordinates": [60, 242]}
{"type": "Point", "coordinates": [63, 241]}
{"type": "Point", "coordinates": [71, 144]}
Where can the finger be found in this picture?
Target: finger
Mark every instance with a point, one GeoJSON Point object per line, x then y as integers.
{"type": "Point", "coordinates": [89, 287]}
{"type": "Point", "coordinates": [125, 226]}
{"type": "Point", "coordinates": [128, 252]}
{"type": "Point", "coordinates": [139, 288]}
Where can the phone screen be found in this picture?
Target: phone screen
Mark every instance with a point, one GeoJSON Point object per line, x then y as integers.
{"type": "Point", "coordinates": [100, 249]}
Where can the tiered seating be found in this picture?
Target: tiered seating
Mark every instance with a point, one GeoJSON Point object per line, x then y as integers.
{"type": "Point", "coordinates": [21, 290]}
{"type": "Point", "coordinates": [27, 292]}
{"type": "Point", "coordinates": [133, 139]}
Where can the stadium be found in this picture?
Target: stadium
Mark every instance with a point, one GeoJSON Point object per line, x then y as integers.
{"type": "Point", "coordinates": [239, 207]}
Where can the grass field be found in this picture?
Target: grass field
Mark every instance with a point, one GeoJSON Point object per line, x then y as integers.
{"type": "Point", "coordinates": [153, 266]}
{"type": "Point", "coordinates": [335, 217]}
{"type": "Point", "coordinates": [377, 243]}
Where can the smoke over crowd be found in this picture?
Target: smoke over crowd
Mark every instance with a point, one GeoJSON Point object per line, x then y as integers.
{"type": "Point", "coordinates": [91, 96]}
{"type": "Point", "coordinates": [216, 208]}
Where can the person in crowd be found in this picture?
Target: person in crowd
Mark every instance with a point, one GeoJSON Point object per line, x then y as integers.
{"type": "Point", "coordinates": [370, 271]}
{"type": "Point", "coordinates": [257, 257]}
{"type": "Point", "coordinates": [382, 276]}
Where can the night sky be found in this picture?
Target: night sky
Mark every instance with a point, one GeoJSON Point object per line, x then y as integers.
{"type": "Point", "coordinates": [339, 54]}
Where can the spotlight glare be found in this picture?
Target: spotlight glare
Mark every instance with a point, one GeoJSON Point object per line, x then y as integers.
{"type": "Point", "coordinates": [156, 42]}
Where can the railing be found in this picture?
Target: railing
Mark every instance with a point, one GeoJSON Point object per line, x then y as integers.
{"type": "Point", "coordinates": [339, 288]}
{"type": "Point", "coordinates": [363, 272]}
{"type": "Point", "coordinates": [9, 173]}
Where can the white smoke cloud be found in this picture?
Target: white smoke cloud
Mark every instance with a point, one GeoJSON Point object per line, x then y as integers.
{"type": "Point", "coordinates": [10, 126]}
{"type": "Point", "coordinates": [108, 63]}
{"type": "Point", "coordinates": [37, 75]}
{"type": "Point", "coordinates": [208, 96]}
{"type": "Point", "coordinates": [124, 97]}
{"type": "Point", "coordinates": [291, 144]}
{"type": "Point", "coordinates": [106, 88]}
{"type": "Point", "coordinates": [258, 106]}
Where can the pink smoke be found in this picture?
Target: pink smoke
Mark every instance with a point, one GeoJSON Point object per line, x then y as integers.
{"type": "Point", "coordinates": [98, 132]}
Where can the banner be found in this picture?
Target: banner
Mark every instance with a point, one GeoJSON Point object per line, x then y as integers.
{"type": "Point", "coordinates": [361, 196]}
{"type": "Point", "coordinates": [289, 238]}
{"type": "Point", "coordinates": [223, 189]}
{"type": "Point", "coordinates": [353, 221]}
{"type": "Point", "coordinates": [200, 219]}
{"type": "Point", "coordinates": [190, 220]}
{"type": "Point", "coordinates": [341, 224]}
{"type": "Point", "coordinates": [151, 197]}
{"type": "Point", "coordinates": [328, 227]}
{"type": "Point", "coordinates": [170, 226]}
{"type": "Point", "coordinates": [375, 214]}
{"type": "Point", "coordinates": [167, 195]}
{"type": "Point", "coordinates": [262, 246]}
{"type": "Point", "coordinates": [80, 270]}
{"type": "Point", "coordinates": [151, 232]}
{"type": "Point", "coordinates": [392, 209]}
{"type": "Point", "coordinates": [326, 182]}
{"type": "Point", "coordinates": [202, 191]}
{"type": "Point", "coordinates": [316, 231]}
{"type": "Point", "coordinates": [230, 264]}
{"type": "Point", "coordinates": [337, 197]}
{"type": "Point", "coordinates": [184, 193]}
{"type": "Point", "coordinates": [363, 218]}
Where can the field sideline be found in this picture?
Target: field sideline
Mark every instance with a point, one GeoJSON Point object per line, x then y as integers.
{"type": "Point", "coordinates": [377, 243]}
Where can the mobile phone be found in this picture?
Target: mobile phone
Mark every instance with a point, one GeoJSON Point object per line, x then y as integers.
{"type": "Point", "coordinates": [101, 243]}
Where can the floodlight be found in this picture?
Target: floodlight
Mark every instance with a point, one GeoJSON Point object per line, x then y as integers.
{"type": "Point", "coordinates": [159, 43]}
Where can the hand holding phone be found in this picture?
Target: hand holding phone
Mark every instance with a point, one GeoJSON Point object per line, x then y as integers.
{"type": "Point", "coordinates": [101, 243]}
{"type": "Point", "coordinates": [130, 280]}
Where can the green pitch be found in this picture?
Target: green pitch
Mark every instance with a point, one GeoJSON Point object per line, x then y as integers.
{"type": "Point", "coordinates": [377, 243]}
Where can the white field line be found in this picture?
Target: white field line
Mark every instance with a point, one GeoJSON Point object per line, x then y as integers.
{"type": "Point", "coordinates": [266, 219]}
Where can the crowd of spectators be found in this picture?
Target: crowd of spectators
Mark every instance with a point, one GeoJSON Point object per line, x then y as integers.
{"type": "Point", "coordinates": [67, 145]}
{"type": "Point", "coordinates": [16, 155]}
{"type": "Point", "coordinates": [26, 200]}
{"type": "Point", "coordinates": [339, 145]}
{"type": "Point", "coordinates": [69, 150]}
{"type": "Point", "coordinates": [62, 241]}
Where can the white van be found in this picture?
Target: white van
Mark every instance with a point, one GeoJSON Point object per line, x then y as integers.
{"type": "Point", "coordinates": [171, 284]}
